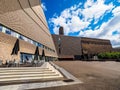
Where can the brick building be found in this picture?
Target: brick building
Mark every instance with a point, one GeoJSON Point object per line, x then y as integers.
{"type": "Point", "coordinates": [93, 46]}
{"type": "Point", "coordinates": [24, 20]}
{"type": "Point", "coordinates": [69, 47]}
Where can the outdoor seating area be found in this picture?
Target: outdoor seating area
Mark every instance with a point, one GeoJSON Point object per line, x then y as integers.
{"type": "Point", "coordinates": [16, 63]}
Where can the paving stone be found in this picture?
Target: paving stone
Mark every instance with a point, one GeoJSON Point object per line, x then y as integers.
{"type": "Point", "coordinates": [44, 84]}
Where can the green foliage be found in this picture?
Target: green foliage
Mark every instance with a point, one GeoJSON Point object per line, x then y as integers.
{"type": "Point", "coordinates": [109, 55]}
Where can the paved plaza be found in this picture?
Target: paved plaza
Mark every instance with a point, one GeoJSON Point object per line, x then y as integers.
{"type": "Point", "coordinates": [78, 75]}
{"type": "Point", "coordinates": [46, 76]}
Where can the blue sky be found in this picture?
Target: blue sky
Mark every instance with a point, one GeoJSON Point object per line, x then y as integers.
{"type": "Point", "coordinates": [85, 18]}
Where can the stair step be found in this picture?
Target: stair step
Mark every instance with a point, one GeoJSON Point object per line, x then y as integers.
{"type": "Point", "coordinates": [22, 68]}
{"type": "Point", "coordinates": [38, 70]}
{"type": "Point", "coordinates": [29, 75]}
{"type": "Point", "coordinates": [17, 73]}
{"type": "Point", "coordinates": [31, 78]}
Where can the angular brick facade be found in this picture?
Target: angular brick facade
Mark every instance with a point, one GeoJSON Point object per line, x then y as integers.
{"type": "Point", "coordinates": [95, 46]}
{"type": "Point", "coordinates": [25, 17]}
{"type": "Point", "coordinates": [80, 47]}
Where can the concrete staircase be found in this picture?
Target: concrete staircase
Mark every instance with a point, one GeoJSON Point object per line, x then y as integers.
{"type": "Point", "coordinates": [29, 74]}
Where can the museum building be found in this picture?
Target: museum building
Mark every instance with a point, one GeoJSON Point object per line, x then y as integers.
{"type": "Point", "coordinates": [24, 31]}
{"type": "Point", "coordinates": [74, 48]}
{"type": "Point", "coordinates": [24, 35]}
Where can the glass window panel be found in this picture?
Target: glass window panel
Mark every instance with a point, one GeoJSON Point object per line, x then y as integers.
{"type": "Point", "coordinates": [4, 29]}
{"type": "Point", "coordinates": [20, 37]}
{"type": "Point", "coordinates": [27, 58]}
{"type": "Point", "coordinates": [12, 33]}
{"type": "Point", "coordinates": [8, 31]}
{"type": "Point", "coordinates": [31, 42]}
{"type": "Point", "coordinates": [25, 39]}
{"type": "Point", "coordinates": [17, 35]}
{"type": "Point", "coordinates": [39, 44]}
{"type": "Point", "coordinates": [1, 28]}
{"type": "Point", "coordinates": [34, 43]}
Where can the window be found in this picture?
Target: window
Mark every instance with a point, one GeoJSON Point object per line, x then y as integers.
{"type": "Point", "coordinates": [39, 45]}
{"type": "Point", "coordinates": [26, 57]}
{"type": "Point", "coordinates": [1, 28]}
{"type": "Point", "coordinates": [20, 37]}
{"type": "Point", "coordinates": [25, 39]}
{"type": "Point", "coordinates": [17, 35]}
{"type": "Point", "coordinates": [14, 34]}
{"type": "Point", "coordinates": [8, 31]}
{"type": "Point", "coordinates": [34, 43]}
{"type": "Point", "coordinates": [4, 29]}
{"type": "Point", "coordinates": [31, 42]}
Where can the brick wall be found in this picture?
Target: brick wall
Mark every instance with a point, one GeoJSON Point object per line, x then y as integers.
{"type": "Point", "coordinates": [70, 46]}
{"type": "Point", "coordinates": [27, 18]}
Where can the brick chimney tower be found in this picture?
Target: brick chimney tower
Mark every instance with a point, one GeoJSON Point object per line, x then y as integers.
{"type": "Point", "coordinates": [61, 31]}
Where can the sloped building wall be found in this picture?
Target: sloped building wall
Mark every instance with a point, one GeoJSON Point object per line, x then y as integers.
{"type": "Point", "coordinates": [95, 46]}
{"type": "Point", "coordinates": [80, 47]}
{"type": "Point", "coordinates": [25, 17]}
{"type": "Point", "coordinates": [68, 46]}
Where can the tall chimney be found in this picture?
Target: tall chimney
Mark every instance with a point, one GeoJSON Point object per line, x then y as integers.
{"type": "Point", "coordinates": [61, 31]}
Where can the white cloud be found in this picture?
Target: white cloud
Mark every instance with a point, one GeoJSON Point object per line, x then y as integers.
{"type": "Point", "coordinates": [89, 3]}
{"type": "Point", "coordinates": [70, 17]}
{"type": "Point", "coordinates": [71, 21]}
{"type": "Point", "coordinates": [95, 9]}
{"type": "Point", "coordinates": [116, 11]}
{"type": "Point", "coordinates": [106, 30]}
{"type": "Point", "coordinates": [43, 6]}
{"type": "Point", "coordinates": [77, 24]}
